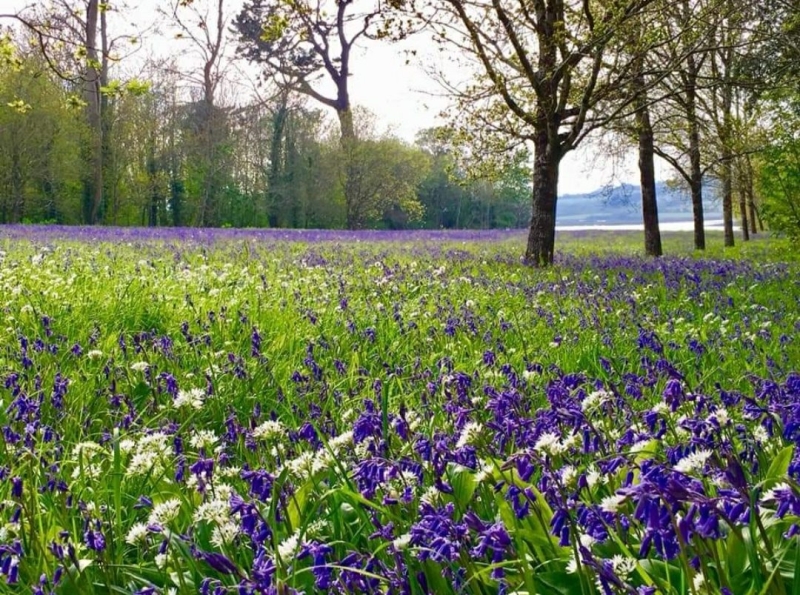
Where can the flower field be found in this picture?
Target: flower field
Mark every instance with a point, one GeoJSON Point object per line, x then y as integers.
{"type": "Point", "coordinates": [243, 413]}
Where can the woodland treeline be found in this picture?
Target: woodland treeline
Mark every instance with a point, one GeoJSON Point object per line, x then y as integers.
{"type": "Point", "coordinates": [93, 132]}
{"type": "Point", "coordinates": [273, 163]}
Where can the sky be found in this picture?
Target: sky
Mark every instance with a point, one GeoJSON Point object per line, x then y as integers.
{"type": "Point", "coordinates": [397, 88]}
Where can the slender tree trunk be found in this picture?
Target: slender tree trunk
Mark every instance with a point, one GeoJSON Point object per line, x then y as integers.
{"type": "Point", "coordinates": [727, 197]}
{"type": "Point", "coordinates": [696, 171]}
{"type": "Point", "coordinates": [758, 217]}
{"type": "Point", "coordinates": [93, 185]}
{"type": "Point", "coordinates": [542, 233]}
{"type": "Point", "coordinates": [348, 145]}
{"type": "Point", "coordinates": [152, 173]}
{"type": "Point", "coordinates": [751, 211]}
{"type": "Point", "coordinates": [275, 162]}
{"type": "Point", "coordinates": [696, 184]}
{"type": "Point", "coordinates": [107, 180]}
{"type": "Point", "coordinates": [647, 172]}
{"type": "Point", "coordinates": [751, 205]}
{"type": "Point", "coordinates": [17, 184]}
{"type": "Point", "coordinates": [743, 211]}
{"type": "Point", "coordinates": [176, 186]}
{"type": "Point", "coordinates": [726, 137]}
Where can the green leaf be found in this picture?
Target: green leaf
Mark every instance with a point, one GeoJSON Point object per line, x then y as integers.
{"type": "Point", "coordinates": [297, 504]}
{"type": "Point", "coordinates": [780, 464]}
{"type": "Point", "coordinates": [666, 576]}
{"type": "Point", "coordinates": [738, 562]}
{"type": "Point", "coordinates": [436, 581]}
{"type": "Point", "coordinates": [796, 577]}
{"type": "Point", "coordinates": [463, 483]}
{"type": "Point", "coordinates": [561, 583]}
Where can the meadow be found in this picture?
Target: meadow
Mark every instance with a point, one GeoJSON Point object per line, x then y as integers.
{"type": "Point", "coordinates": [252, 413]}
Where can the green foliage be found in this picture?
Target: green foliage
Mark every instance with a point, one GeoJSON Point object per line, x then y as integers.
{"type": "Point", "coordinates": [778, 168]}
{"type": "Point", "coordinates": [109, 326]}
{"type": "Point", "coordinates": [8, 54]}
{"type": "Point", "coordinates": [453, 198]}
{"type": "Point", "coordinates": [39, 145]}
{"type": "Point", "coordinates": [383, 175]}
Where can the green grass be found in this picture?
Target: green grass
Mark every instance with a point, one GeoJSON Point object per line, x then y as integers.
{"type": "Point", "coordinates": [432, 335]}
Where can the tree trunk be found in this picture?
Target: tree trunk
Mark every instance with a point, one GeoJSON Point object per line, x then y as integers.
{"type": "Point", "coordinates": [176, 194]}
{"type": "Point", "coordinates": [726, 137]}
{"type": "Point", "coordinates": [727, 197]}
{"type": "Point", "coordinates": [697, 212]}
{"type": "Point", "coordinates": [542, 233]}
{"type": "Point", "coordinates": [152, 174]}
{"type": "Point", "coordinates": [17, 184]}
{"type": "Point", "coordinates": [758, 217]}
{"type": "Point", "coordinates": [348, 145]}
{"type": "Point", "coordinates": [93, 184]}
{"type": "Point", "coordinates": [751, 205]}
{"type": "Point", "coordinates": [696, 172]}
{"type": "Point", "coordinates": [743, 211]}
{"type": "Point", "coordinates": [275, 151]}
{"type": "Point", "coordinates": [696, 185]}
{"type": "Point", "coordinates": [647, 172]}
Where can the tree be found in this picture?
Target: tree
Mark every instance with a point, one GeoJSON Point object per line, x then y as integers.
{"type": "Point", "coordinates": [777, 168]}
{"type": "Point", "coordinates": [644, 132]}
{"type": "Point", "coordinates": [202, 24]}
{"type": "Point", "coordinates": [548, 66]}
{"type": "Point", "coordinates": [39, 142]}
{"type": "Point", "coordinates": [678, 124]}
{"type": "Point", "coordinates": [453, 198]}
{"type": "Point", "coordinates": [302, 41]}
{"type": "Point", "coordinates": [75, 41]}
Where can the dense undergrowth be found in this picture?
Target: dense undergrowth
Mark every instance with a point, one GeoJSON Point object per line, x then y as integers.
{"type": "Point", "coordinates": [240, 413]}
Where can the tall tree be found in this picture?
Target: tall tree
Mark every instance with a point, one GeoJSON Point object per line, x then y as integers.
{"type": "Point", "coordinates": [203, 24]}
{"type": "Point", "coordinates": [644, 132]}
{"type": "Point", "coordinates": [548, 67]}
{"type": "Point", "coordinates": [81, 28]}
{"type": "Point", "coordinates": [678, 123]}
{"type": "Point", "coordinates": [299, 42]}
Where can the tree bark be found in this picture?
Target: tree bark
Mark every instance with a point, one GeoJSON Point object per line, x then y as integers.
{"type": "Point", "coordinates": [743, 211]}
{"type": "Point", "coordinates": [696, 172]}
{"type": "Point", "coordinates": [647, 173]}
{"type": "Point", "coordinates": [348, 146]}
{"type": "Point", "coordinates": [93, 185]}
{"type": "Point", "coordinates": [17, 184]}
{"type": "Point", "coordinates": [751, 204]}
{"type": "Point", "coordinates": [696, 185]}
{"type": "Point", "coordinates": [275, 162]}
{"type": "Point", "coordinates": [542, 233]}
{"type": "Point", "coordinates": [727, 197]}
{"type": "Point", "coordinates": [726, 137]}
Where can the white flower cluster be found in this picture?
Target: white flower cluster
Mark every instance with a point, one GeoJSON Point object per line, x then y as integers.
{"type": "Point", "coordinates": [310, 463]}
{"type": "Point", "coordinates": [217, 512]}
{"type": "Point", "coordinates": [693, 462]}
{"type": "Point", "coordinates": [164, 512]}
{"type": "Point", "coordinates": [596, 399]}
{"type": "Point", "coordinates": [150, 455]}
{"type": "Point", "coordinates": [203, 439]}
{"type": "Point", "coordinates": [269, 430]}
{"type": "Point", "coordinates": [612, 503]}
{"type": "Point", "coordinates": [190, 399]}
{"type": "Point", "coordinates": [469, 434]}
{"type": "Point", "coordinates": [551, 443]}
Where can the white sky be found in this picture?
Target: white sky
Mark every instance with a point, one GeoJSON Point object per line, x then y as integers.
{"type": "Point", "coordinates": [395, 87]}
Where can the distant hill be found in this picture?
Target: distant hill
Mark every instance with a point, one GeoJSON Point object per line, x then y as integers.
{"type": "Point", "coordinates": [622, 205]}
